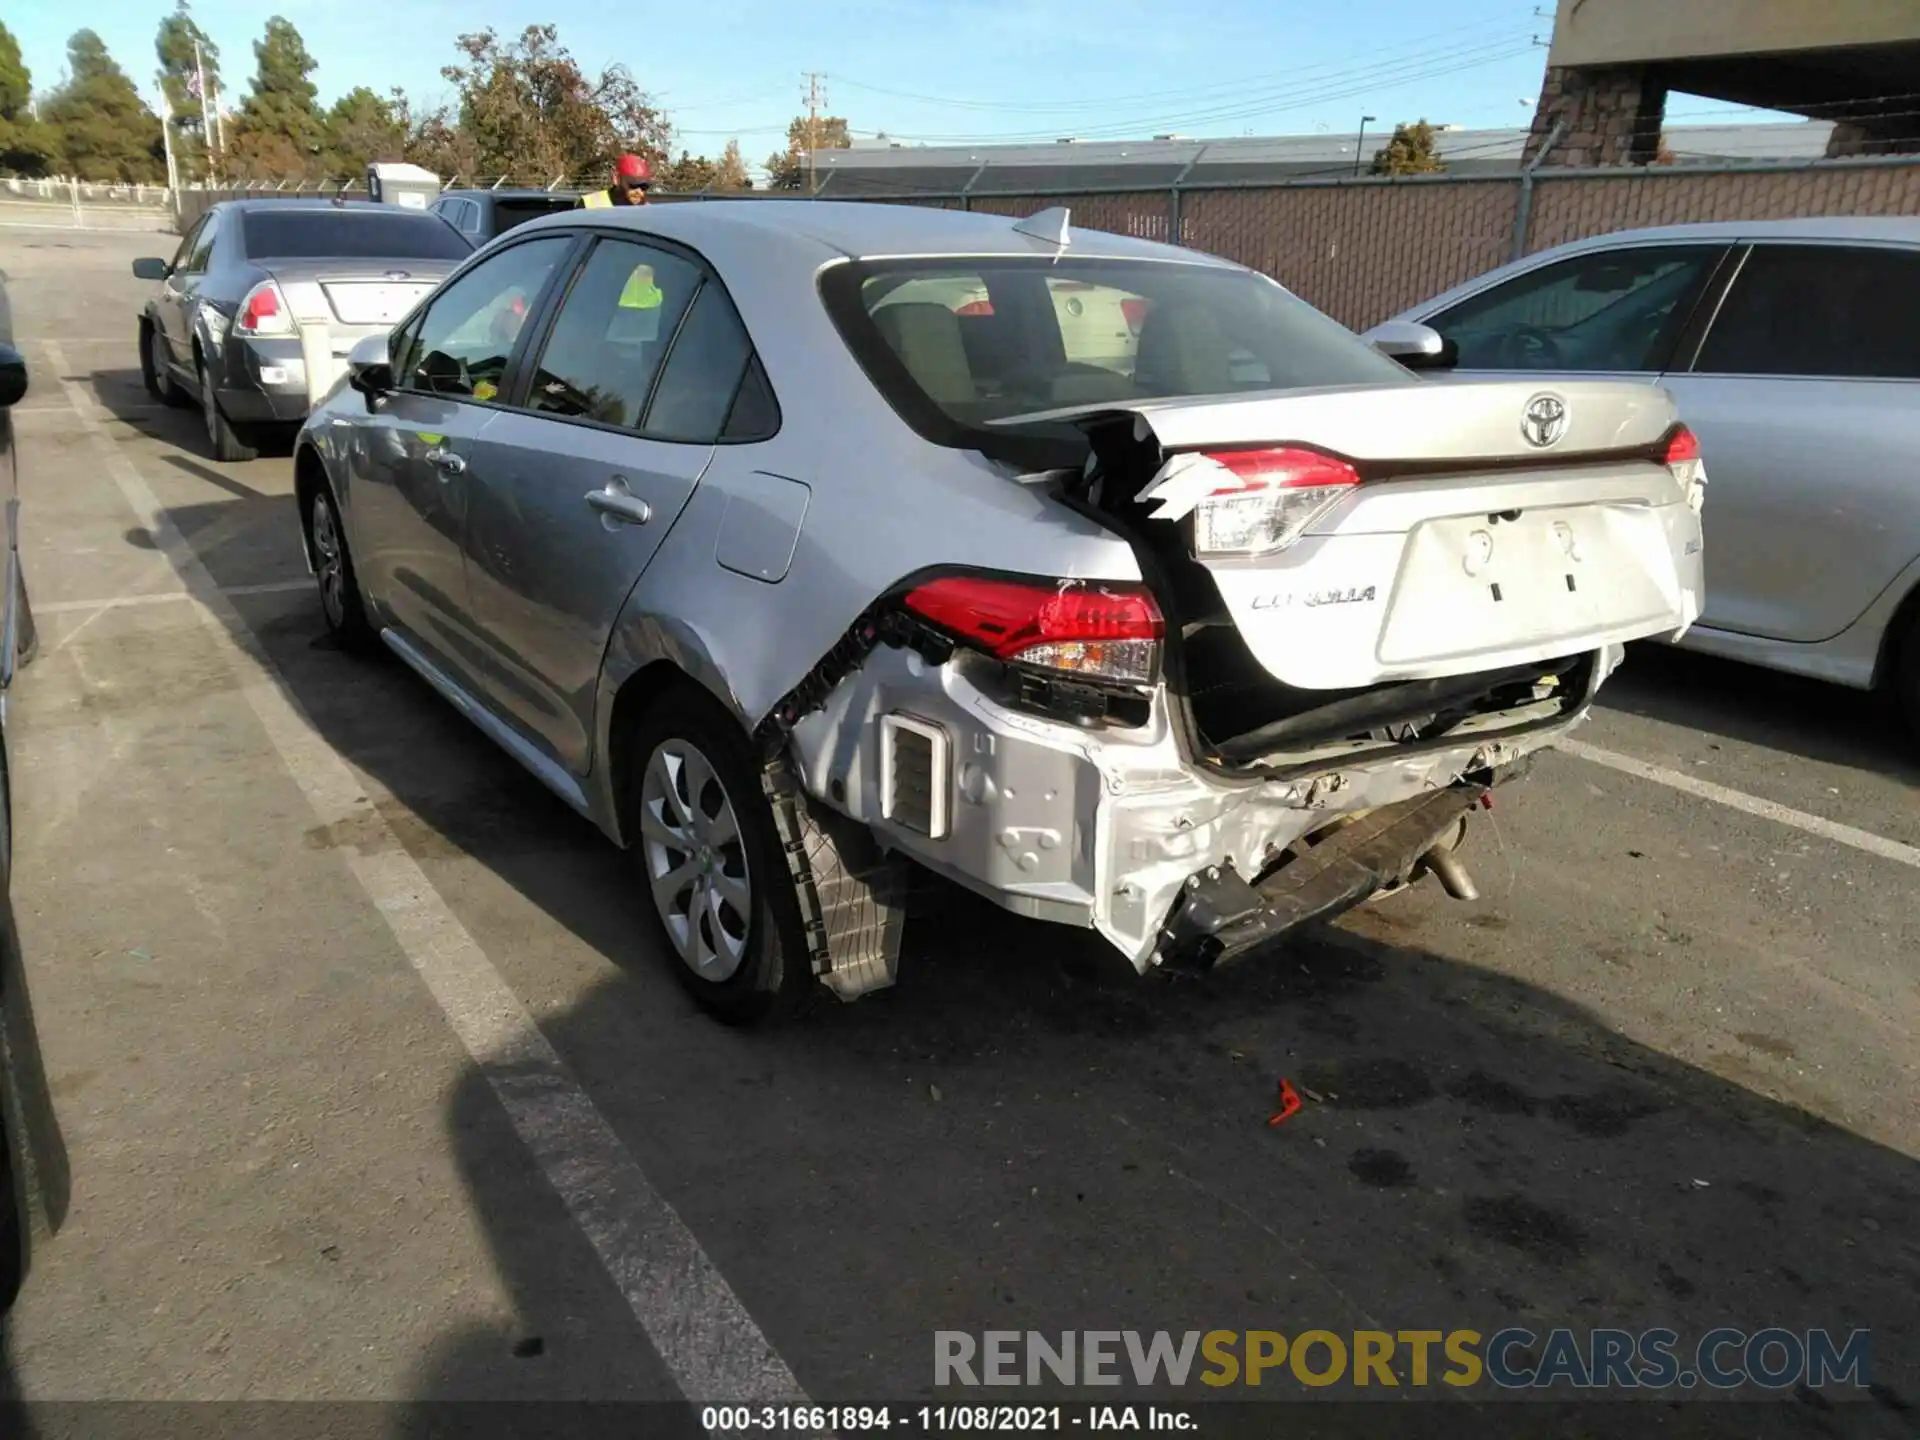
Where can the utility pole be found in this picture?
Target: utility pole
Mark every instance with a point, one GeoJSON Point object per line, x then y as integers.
{"type": "Point", "coordinates": [816, 97]}
{"type": "Point", "coordinates": [166, 137]}
{"type": "Point", "coordinates": [206, 113]}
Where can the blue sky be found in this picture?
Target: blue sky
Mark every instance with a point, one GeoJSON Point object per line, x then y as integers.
{"type": "Point", "coordinates": [944, 71]}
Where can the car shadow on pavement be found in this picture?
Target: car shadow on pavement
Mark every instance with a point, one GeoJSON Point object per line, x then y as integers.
{"type": "Point", "coordinates": [1013, 1140]}
{"type": "Point", "coordinates": [1022, 1135]}
{"type": "Point", "coordinates": [1786, 713]}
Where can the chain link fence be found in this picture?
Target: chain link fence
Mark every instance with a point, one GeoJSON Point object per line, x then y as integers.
{"type": "Point", "coordinates": [1364, 248]}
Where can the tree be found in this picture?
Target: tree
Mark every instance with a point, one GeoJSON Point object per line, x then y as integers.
{"type": "Point", "coordinates": [788, 171]}
{"type": "Point", "coordinates": [180, 81]}
{"type": "Point", "coordinates": [1413, 150]}
{"type": "Point", "coordinates": [103, 130]}
{"type": "Point", "coordinates": [530, 111]}
{"type": "Point", "coordinates": [689, 172]}
{"type": "Point", "coordinates": [697, 172]}
{"type": "Point", "coordinates": [361, 128]}
{"type": "Point", "coordinates": [733, 170]}
{"type": "Point", "coordinates": [434, 139]}
{"type": "Point", "coordinates": [280, 134]}
{"type": "Point", "coordinates": [26, 146]}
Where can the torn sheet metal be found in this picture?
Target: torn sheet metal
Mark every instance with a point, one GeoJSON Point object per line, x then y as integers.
{"type": "Point", "coordinates": [1182, 483]}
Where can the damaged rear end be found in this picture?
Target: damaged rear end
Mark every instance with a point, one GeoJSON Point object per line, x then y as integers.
{"type": "Point", "coordinates": [1358, 608]}
{"type": "Point", "coordinates": [1392, 595]}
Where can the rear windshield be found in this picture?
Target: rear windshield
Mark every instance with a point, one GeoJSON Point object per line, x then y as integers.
{"type": "Point", "coordinates": [509, 213]}
{"type": "Point", "coordinates": [961, 344]}
{"type": "Point", "coordinates": [367, 233]}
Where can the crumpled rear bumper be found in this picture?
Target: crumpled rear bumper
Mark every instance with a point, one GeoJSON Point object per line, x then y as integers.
{"type": "Point", "coordinates": [1218, 915]}
{"type": "Point", "coordinates": [1106, 829]}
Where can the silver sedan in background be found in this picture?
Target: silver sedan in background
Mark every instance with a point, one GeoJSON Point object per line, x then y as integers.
{"type": "Point", "coordinates": [1793, 350]}
{"type": "Point", "coordinates": [260, 305]}
{"type": "Point", "coordinates": [791, 543]}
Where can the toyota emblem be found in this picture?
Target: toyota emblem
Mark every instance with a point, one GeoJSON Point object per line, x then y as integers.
{"type": "Point", "coordinates": [1544, 421]}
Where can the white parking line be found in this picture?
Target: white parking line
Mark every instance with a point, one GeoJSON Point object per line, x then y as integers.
{"type": "Point", "coordinates": [1748, 804]}
{"type": "Point", "coordinates": [116, 602]}
{"type": "Point", "coordinates": [710, 1344]}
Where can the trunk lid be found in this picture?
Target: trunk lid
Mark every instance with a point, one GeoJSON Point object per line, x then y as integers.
{"type": "Point", "coordinates": [363, 294]}
{"type": "Point", "coordinates": [1365, 535]}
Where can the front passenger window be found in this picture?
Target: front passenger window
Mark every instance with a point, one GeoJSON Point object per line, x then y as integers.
{"type": "Point", "coordinates": [461, 346]}
{"type": "Point", "coordinates": [1612, 310]}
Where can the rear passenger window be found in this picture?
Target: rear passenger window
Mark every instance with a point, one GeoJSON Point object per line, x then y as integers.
{"type": "Point", "coordinates": [696, 389]}
{"type": "Point", "coordinates": [612, 334]}
{"type": "Point", "coordinates": [1819, 310]}
{"type": "Point", "coordinates": [755, 414]}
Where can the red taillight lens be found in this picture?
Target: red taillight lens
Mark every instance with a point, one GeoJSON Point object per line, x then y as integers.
{"type": "Point", "coordinates": [1135, 311]}
{"type": "Point", "coordinates": [1683, 459]}
{"type": "Point", "coordinates": [1100, 630]}
{"type": "Point", "coordinates": [1683, 445]}
{"type": "Point", "coordinates": [976, 307]}
{"type": "Point", "coordinates": [261, 312]}
{"type": "Point", "coordinates": [1268, 499]}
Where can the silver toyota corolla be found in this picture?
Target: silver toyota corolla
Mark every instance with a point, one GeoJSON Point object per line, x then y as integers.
{"type": "Point", "coordinates": [796, 544]}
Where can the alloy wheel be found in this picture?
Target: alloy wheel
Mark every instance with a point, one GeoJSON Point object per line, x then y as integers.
{"type": "Point", "coordinates": [696, 863]}
{"type": "Point", "coordinates": [328, 562]}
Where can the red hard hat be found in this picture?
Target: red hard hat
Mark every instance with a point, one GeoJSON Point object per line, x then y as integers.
{"type": "Point", "coordinates": [633, 167]}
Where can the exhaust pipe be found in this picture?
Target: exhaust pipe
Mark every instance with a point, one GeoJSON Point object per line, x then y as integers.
{"type": "Point", "coordinates": [1453, 876]}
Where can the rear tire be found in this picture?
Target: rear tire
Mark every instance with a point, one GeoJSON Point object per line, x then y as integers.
{"type": "Point", "coordinates": [702, 837]}
{"type": "Point", "coordinates": [228, 444]}
{"type": "Point", "coordinates": [340, 603]}
{"type": "Point", "coordinates": [154, 369]}
{"type": "Point", "coordinates": [1905, 680]}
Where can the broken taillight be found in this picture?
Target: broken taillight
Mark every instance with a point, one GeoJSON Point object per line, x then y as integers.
{"type": "Point", "coordinates": [1269, 500]}
{"type": "Point", "coordinates": [264, 312]}
{"type": "Point", "coordinates": [1689, 472]}
{"type": "Point", "coordinates": [1096, 629]}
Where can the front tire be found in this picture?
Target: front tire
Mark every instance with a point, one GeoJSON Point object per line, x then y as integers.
{"type": "Point", "coordinates": [702, 835]}
{"type": "Point", "coordinates": [340, 603]}
{"type": "Point", "coordinates": [227, 444]}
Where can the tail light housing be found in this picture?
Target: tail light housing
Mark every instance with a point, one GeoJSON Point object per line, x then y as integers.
{"type": "Point", "coordinates": [1096, 630]}
{"type": "Point", "coordinates": [264, 312]}
{"type": "Point", "coordinates": [1266, 499]}
{"type": "Point", "coordinates": [1689, 472]}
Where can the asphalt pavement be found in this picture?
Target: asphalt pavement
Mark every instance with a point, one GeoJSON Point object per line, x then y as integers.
{"type": "Point", "coordinates": [375, 1087]}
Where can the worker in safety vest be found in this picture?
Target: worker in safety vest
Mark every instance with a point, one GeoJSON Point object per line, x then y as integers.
{"type": "Point", "coordinates": [632, 178]}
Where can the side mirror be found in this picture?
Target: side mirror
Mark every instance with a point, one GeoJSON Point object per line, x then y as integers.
{"type": "Point", "coordinates": [13, 376]}
{"type": "Point", "coordinates": [1416, 346]}
{"type": "Point", "coordinates": [369, 367]}
{"type": "Point", "coordinates": [151, 267]}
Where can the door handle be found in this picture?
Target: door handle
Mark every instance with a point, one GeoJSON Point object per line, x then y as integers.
{"type": "Point", "coordinates": [446, 462]}
{"type": "Point", "coordinates": [618, 505]}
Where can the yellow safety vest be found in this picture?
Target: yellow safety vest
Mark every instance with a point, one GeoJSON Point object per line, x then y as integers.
{"type": "Point", "coordinates": [640, 293]}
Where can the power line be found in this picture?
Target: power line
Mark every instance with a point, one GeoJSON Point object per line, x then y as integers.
{"type": "Point", "coordinates": [1421, 46]}
{"type": "Point", "coordinates": [1279, 102]}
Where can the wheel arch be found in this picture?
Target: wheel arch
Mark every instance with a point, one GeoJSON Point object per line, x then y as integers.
{"type": "Point", "coordinates": [1901, 629]}
{"type": "Point", "coordinates": [626, 702]}
{"type": "Point", "coordinates": [309, 475]}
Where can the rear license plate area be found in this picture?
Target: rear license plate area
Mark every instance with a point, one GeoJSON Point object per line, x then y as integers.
{"type": "Point", "coordinates": [1477, 583]}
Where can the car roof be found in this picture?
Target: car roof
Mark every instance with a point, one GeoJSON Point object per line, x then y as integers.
{"type": "Point", "coordinates": [1818, 227]}
{"type": "Point", "coordinates": [257, 207]}
{"type": "Point", "coordinates": [871, 229]}
{"type": "Point", "coordinates": [524, 192]}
